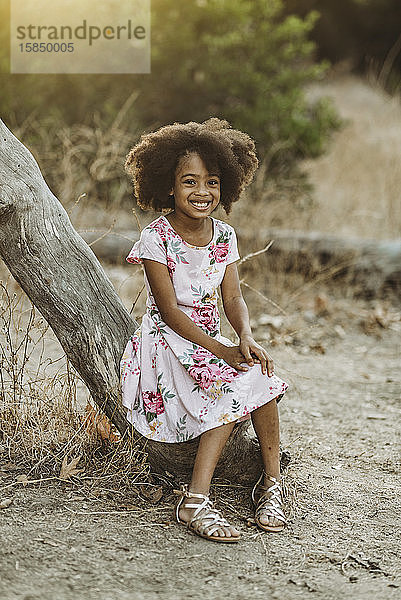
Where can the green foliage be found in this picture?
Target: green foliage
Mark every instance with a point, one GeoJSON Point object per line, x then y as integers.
{"type": "Point", "coordinates": [243, 60]}
{"type": "Point", "coordinates": [240, 60]}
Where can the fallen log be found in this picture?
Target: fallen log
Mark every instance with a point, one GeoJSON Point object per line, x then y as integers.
{"type": "Point", "coordinates": [371, 267]}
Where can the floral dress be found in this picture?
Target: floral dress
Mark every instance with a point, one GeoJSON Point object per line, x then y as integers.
{"type": "Point", "coordinates": [173, 389]}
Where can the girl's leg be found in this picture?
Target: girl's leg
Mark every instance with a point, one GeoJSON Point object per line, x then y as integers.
{"type": "Point", "coordinates": [211, 445]}
{"type": "Point", "coordinates": [266, 424]}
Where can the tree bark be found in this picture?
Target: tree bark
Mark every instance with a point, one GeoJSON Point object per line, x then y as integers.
{"type": "Point", "coordinates": [64, 280]}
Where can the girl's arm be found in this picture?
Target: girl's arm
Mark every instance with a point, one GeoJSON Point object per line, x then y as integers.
{"type": "Point", "coordinates": [237, 313]}
{"type": "Point", "coordinates": [166, 300]}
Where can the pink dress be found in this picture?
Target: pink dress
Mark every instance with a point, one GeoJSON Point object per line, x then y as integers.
{"type": "Point", "coordinates": [173, 389]}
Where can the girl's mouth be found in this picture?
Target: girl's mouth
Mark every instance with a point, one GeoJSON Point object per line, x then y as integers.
{"type": "Point", "coordinates": [201, 205]}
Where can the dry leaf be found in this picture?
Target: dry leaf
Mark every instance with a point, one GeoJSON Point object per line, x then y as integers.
{"type": "Point", "coordinates": [23, 479]}
{"type": "Point", "coordinates": [99, 425]}
{"type": "Point", "coordinates": [154, 494]}
{"type": "Point", "coordinates": [6, 502]}
{"type": "Point", "coordinates": [157, 494]}
{"type": "Point", "coordinates": [376, 320]}
{"type": "Point", "coordinates": [69, 469]}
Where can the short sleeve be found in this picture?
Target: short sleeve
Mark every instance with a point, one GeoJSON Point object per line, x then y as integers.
{"type": "Point", "coordinates": [233, 253]}
{"type": "Point", "coordinates": [150, 245]}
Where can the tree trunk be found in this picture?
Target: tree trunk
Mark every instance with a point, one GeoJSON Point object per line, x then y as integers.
{"type": "Point", "coordinates": [65, 281]}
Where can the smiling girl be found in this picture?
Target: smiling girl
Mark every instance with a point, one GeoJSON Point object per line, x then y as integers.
{"type": "Point", "coordinates": [180, 377]}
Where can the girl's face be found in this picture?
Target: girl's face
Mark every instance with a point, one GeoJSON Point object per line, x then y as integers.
{"type": "Point", "coordinates": [196, 191]}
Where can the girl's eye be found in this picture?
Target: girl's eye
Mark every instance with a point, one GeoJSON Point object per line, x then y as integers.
{"type": "Point", "coordinates": [213, 182]}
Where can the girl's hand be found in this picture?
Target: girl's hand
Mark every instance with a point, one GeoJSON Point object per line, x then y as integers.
{"type": "Point", "coordinates": [234, 357]}
{"type": "Point", "coordinates": [254, 353]}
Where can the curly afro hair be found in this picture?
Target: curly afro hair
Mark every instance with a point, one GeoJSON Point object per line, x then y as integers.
{"type": "Point", "coordinates": [153, 161]}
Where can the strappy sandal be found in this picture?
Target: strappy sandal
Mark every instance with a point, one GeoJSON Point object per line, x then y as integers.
{"type": "Point", "coordinates": [205, 518]}
{"type": "Point", "coordinates": [270, 503]}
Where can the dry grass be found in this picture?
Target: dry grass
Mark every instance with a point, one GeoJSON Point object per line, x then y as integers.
{"type": "Point", "coordinates": [83, 161]}
{"type": "Point", "coordinates": [45, 432]}
{"type": "Point", "coordinates": [357, 183]}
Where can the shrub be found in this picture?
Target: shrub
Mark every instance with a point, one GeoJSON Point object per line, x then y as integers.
{"type": "Point", "coordinates": [241, 60]}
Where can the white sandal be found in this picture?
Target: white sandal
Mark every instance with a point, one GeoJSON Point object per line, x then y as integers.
{"type": "Point", "coordinates": [270, 503]}
{"type": "Point", "coordinates": [205, 518]}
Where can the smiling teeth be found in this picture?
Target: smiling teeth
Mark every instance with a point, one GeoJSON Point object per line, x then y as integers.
{"type": "Point", "coordinates": [200, 204]}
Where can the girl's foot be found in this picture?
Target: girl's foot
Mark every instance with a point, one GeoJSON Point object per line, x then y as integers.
{"type": "Point", "coordinates": [198, 513]}
{"type": "Point", "coordinates": [268, 500]}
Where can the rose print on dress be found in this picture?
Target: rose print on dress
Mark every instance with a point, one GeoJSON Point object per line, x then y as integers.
{"type": "Point", "coordinates": [206, 317]}
{"type": "Point", "coordinates": [220, 252]}
{"type": "Point", "coordinates": [207, 370]}
{"type": "Point", "coordinates": [152, 404]}
{"type": "Point", "coordinates": [161, 229]}
{"type": "Point", "coordinates": [200, 354]}
{"type": "Point", "coordinates": [227, 373]}
{"type": "Point", "coordinates": [220, 249]}
{"type": "Point", "coordinates": [204, 374]}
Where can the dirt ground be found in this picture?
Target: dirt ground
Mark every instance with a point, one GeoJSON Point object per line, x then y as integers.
{"type": "Point", "coordinates": [339, 421]}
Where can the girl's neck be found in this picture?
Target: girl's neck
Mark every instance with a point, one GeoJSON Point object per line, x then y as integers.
{"type": "Point", "coordinates": [194, 231]}
{"type": "Point", "coordinates": [186, 222]}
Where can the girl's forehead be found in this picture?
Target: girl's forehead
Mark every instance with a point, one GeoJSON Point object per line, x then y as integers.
{"type": "Point", "coordinates": [195, 163]}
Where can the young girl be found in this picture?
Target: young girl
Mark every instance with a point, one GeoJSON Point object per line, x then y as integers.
{"type": "Point", "coordinates": [180, 377]}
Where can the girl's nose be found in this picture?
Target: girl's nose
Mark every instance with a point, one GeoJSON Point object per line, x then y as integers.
{"type": "Point", "coordinates": [202, 191]}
